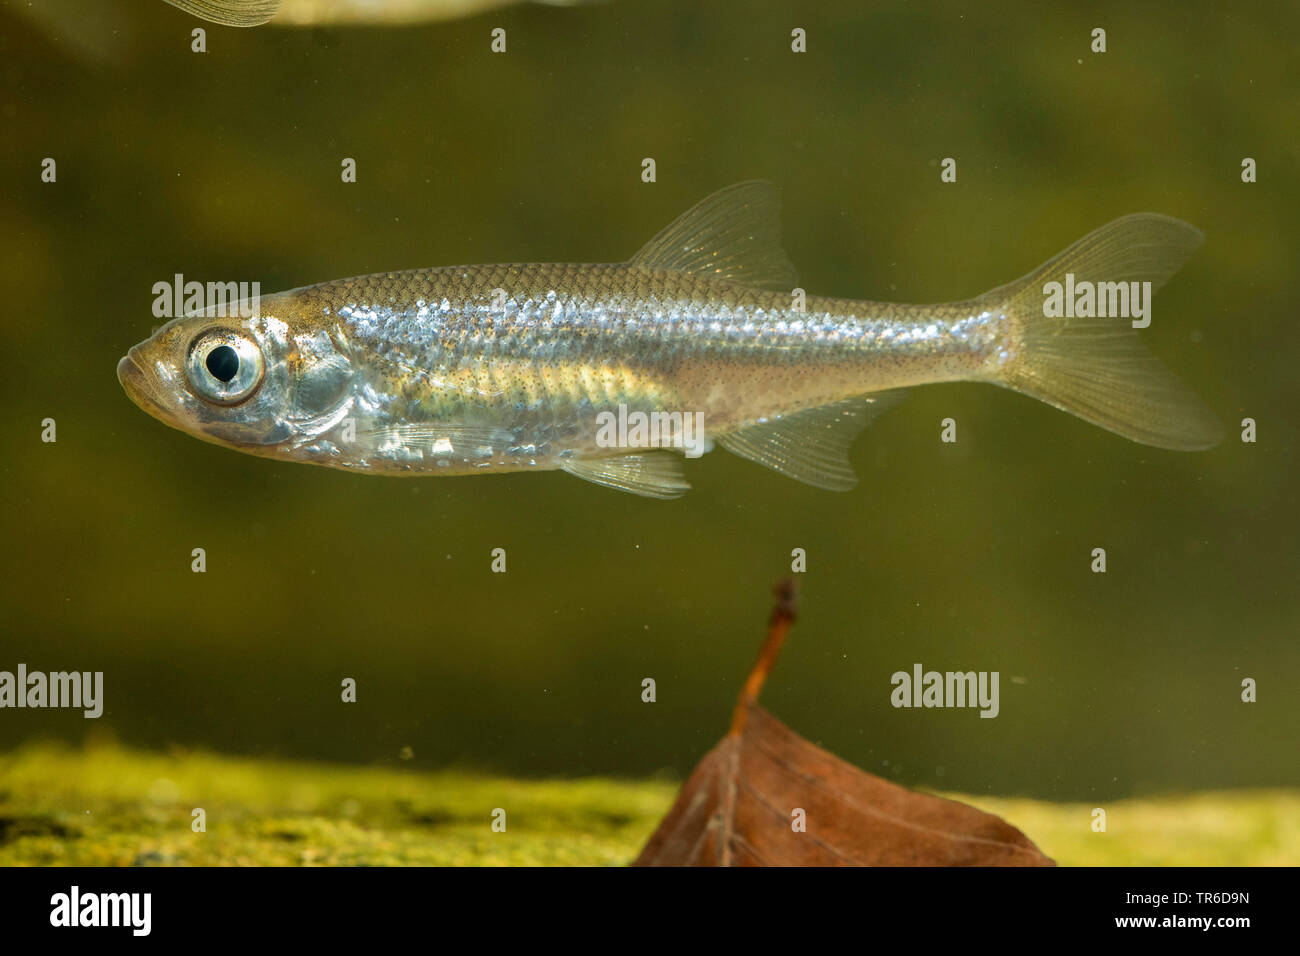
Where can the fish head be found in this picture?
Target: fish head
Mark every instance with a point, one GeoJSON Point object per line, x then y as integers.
{"type": "Point", "coordinates": [264, 385]}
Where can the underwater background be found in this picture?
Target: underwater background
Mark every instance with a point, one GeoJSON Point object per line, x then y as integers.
{"type": "Point", "coordinates": [968, 556]}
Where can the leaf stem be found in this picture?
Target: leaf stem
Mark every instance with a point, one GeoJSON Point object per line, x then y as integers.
{"type": "Point", "coordinates": [783, 615]}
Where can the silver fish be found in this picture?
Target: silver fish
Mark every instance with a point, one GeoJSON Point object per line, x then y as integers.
{"type": "Point", "coordinates": [611, 371]}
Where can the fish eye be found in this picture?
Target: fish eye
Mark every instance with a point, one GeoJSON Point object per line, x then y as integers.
{"type": "Point", "coordinates": [224, 366]}
{"type": "Point", "coordinates": [223, 363]}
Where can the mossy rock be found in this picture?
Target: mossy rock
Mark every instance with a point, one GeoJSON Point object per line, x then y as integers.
{"type": "Point", "coordinates": [111, 806]}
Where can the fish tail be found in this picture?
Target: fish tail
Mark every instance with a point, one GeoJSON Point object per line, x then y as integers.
{"type": "Point", "coordinates": [1097, 367]}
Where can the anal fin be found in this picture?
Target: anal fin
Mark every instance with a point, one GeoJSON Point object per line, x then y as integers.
{"type": "Point", "coordinates": [811, 445]}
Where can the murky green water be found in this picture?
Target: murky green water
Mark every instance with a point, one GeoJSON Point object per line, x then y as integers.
{"type": "Point", "coordinates": [965, 556]}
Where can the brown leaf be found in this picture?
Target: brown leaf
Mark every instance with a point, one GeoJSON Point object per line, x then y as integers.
{"type": "Point", "coordinates": [737, 807]}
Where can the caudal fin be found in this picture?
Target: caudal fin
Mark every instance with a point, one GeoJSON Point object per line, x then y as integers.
{"type": "Point", "coordinates": [1098, 368]}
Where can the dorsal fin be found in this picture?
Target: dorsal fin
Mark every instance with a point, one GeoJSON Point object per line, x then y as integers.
{"type": "Point", "coordinates": [812, 445]}
{"type": "Point", "coordinates": [734, 234]}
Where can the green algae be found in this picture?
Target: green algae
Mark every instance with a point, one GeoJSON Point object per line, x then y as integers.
{"type": "Point", "coordinates": [110, 806]}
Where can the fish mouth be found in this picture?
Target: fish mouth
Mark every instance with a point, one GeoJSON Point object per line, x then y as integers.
{"type": "Point", "coordinates": [144, 388]}
{"type": "Point", "coordinates": [138, 386]}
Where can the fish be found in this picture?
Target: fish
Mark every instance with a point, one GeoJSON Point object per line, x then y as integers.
{"type": "Point", "coordinates": [533, 367]}
{"type": "Point", "coordinates": [333, 13]}
{"type": "Point", "coordinates": [97, 34]}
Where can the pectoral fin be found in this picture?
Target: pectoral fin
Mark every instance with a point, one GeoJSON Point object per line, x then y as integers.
{"type": "Point", "coordinates": [434, 439]}
{"type": "Point", "coordinates": [811, 446]}
{"type": "Point", "coordinates": [654, 474]}
{"type": "Point", "coordinates": [231, 13]}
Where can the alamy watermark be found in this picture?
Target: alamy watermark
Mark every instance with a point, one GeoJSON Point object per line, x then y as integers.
{"type": "Point", "coordinates": [218, 300]}
{"type": "Point", "coordinates": [81, 690]}
{"type": "Point", "coordinates": [922, 688]}
{"type": "Point", "coordinates": [624, 429]}
{"type": "Point", "coordinates": [1102, 300]}
{"type": "Point", "coordinates": [129, 910]}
